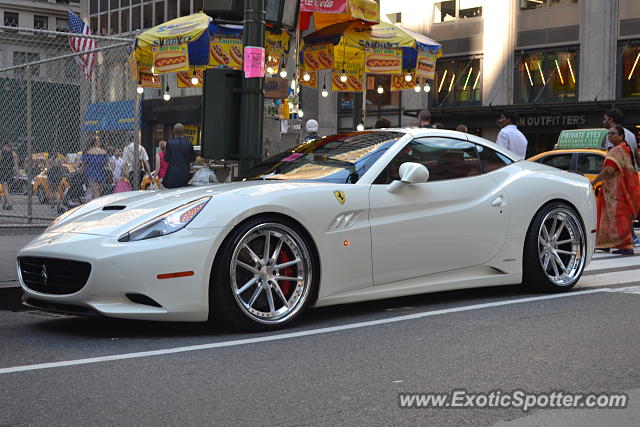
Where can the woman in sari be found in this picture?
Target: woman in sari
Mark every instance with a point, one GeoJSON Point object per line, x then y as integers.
{"type": "Point", "coordinates": [619, 200]}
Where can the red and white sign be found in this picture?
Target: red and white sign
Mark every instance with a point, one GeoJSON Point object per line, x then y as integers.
{"type": "Point", "coordinates": [323, 6]}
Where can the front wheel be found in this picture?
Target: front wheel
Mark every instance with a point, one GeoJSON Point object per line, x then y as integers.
{"type": "Point", "coordinates": [555, 249]}
{"type": "Point", "coordinates": [264, 275]}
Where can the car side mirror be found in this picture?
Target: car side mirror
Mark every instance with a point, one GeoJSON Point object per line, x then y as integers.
{"type": "Point", "coordinates": [410, 173]}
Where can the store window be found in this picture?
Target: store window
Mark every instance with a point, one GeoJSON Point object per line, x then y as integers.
{"type": "Point", "coordinates": [546, 76]}
{"type": "Point", "coordinates": [458, 82]}
{"type": "Point", "coordinates": [630, 78]}
{"type": "Point", "coordinates": [536, 4]}
{"type": "Point", "coordinates": [62, 24]}
{"type": "Point", "coordinates": [456, 9]}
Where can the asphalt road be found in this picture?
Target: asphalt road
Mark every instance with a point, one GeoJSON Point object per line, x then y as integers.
{"type": "Point", "coordinates": [322, 373]}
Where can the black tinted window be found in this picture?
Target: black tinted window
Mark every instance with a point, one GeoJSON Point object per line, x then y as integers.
{"type": "Point", "coordinates": [444, 157]}
{"type": "Point", "coordinates": [590, 163]}
{"type": "Point", "coordinates": [560, 161]}
{"type": "Point", "coordinates": [491, 160]}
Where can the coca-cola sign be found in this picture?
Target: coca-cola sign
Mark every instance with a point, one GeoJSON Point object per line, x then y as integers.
{"type": "Point", "coordinates": [323, 6]}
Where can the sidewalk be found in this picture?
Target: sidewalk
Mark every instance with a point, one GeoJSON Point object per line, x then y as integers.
{"type": "Point", "coordinates": [10, 291]}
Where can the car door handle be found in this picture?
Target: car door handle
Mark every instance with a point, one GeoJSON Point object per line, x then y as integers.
{"type": "Point", "coordinates": [498, 202]}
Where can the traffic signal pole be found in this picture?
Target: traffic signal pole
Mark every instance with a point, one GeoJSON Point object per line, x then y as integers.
{"type": "Point", "coordinates": [251, 90]}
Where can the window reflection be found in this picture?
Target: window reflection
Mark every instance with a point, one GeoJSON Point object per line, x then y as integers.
{"type": "Point", "coordinates": [458, 82]}
{"type": "Point", "coordinates": [630, 78]}
{"type": "Point", "coordinates": [546, 76]}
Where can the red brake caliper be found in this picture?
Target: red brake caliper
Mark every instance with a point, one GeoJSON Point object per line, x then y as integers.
{"type": "Point", "coordinates": [285, 285]}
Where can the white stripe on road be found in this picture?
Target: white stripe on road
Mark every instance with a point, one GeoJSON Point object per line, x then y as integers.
{"type": "Point", "coordinates": [291, 334]}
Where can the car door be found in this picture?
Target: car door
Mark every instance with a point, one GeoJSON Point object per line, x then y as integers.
{"type": "Point", "coordinates": [457, 219]}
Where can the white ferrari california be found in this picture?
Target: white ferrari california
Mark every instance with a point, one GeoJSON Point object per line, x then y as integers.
{"type": "Point", "coordinates": [345, 218]}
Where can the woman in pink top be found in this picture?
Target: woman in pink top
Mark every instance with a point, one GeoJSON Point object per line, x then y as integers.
{"type": "Point", "coordinates": [161, 165]}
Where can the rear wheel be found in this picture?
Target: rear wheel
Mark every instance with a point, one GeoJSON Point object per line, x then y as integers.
{"type": "Point", "coordinates": [264, 275]}
{"type": "Point", "coordinates": [555, 249]}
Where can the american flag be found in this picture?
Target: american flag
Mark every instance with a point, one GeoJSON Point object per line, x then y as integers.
{"type": "Point", "coordinates": [82, 44]}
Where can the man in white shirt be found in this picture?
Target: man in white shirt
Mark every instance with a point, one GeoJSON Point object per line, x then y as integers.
{"type": "Point", "coordinates": [128, 158]}
{"type": "Point", "coordinates": [510, 136]}
{"type": "Point", "coordinates": [613, 118]}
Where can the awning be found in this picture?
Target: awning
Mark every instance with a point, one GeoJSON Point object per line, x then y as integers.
{"type": "Point", "coordinates": [109, 116]}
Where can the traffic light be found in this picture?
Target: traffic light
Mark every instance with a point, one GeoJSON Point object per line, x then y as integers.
{"type": "Point", "coordinates": [220, 113]}
{"type": "Point", "coordinates": [281, 13]}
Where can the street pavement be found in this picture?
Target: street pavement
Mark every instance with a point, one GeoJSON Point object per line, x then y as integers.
{"type": "Point", "coordinates": [342, 365]}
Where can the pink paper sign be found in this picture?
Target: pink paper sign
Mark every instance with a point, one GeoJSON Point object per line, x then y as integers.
{"type": "Point", "coordinates": [253, 61]}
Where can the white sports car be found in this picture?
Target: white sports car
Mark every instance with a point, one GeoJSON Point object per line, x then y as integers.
{"type": "Point", "coordinates": [349, 217]}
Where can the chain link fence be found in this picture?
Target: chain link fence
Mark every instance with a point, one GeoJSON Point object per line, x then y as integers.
{"type": "Point", "coordinates": [61, 129]}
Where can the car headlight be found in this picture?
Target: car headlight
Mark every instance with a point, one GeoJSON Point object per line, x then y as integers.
{"type": "Point", "coordinates": [167, 223]}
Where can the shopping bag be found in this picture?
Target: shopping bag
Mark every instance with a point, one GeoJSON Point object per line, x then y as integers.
{"type": "Point", "coordinates": [122, 185]}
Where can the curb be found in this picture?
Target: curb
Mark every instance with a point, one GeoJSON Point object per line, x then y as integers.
{"type": "Point", "coordinates": [10, 297]}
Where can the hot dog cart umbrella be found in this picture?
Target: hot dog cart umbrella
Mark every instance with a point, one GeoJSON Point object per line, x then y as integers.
{"type": "Point", "coordinates": [179, 45]}
{"type": "Point", "coordinates": [350, 50]}
{"type": "Point", "coordinates": [328, 13]}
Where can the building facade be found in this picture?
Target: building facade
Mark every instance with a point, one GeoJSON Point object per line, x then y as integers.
{"type": "Point", "coordinates": [559, 63]}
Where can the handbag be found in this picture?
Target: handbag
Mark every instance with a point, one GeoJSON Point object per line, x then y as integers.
{"type": "Point", "coordinates": [122, 186]}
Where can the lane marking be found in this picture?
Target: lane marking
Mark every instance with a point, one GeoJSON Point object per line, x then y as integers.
{"type": "Point", "coordinates": [278, 337]}
{"type": "Point", "coordinates": [627, 290]}
{"type": "Point", "coordinates": [611, 270]}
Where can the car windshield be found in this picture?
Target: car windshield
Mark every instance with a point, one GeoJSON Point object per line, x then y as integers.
{"type": "Point", "coordinates": [340, 158]}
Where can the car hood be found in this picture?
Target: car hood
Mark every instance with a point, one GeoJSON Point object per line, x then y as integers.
{"type": "Point", "coordinates": [115, 214]}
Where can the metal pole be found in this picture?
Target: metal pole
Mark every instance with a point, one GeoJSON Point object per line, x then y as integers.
{"type": "Point", "coordinates": [252, 96]}
{"type": "Point", "coordinates": [136, 143]}
{"type": "Point", "coordinates": [29, 146]}
{"type": "Point", "coordinates": [357, 109]}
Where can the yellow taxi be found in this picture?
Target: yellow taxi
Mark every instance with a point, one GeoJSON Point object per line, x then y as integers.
{"type": "Point", "coordinates": [43, 190]}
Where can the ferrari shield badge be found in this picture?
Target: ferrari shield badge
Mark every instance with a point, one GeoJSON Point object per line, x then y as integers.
{"type": "Point", "coordinates": [340, 197]}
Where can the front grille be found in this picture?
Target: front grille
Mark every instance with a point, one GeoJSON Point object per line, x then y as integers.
{"type": "Point", "coordinates": [53, 275]}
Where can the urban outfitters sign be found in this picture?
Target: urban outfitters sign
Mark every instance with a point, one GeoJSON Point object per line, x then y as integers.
{"type": "Point", "coordinates": [555, 121]}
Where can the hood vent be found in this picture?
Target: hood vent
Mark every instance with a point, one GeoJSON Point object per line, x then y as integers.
{"type": "Point", "coordinates": [113, 208]}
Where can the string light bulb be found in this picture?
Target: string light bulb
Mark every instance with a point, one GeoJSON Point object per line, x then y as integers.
{"type": "Point", "coordinates": [167, 95]}
{"type": "Point", "coordinates": [293, 82]}
{"type": "Point", "coordinates": [306, 77]}
{"type": "Point", "coordinates": [270, 70]}
{"type": "Point", "coordinates": [300, 113]}
{"type": "Point", "coordinates": [417, 88]}
{"type": "Point", "coordinates": [380, 89]}
{"type": "Point", "coordinates": [343, 76]}
{"type": "Point", "coordinates": [194, 78]}
{"type": "Point", "coordinates": [140, 89]}
{"type": "Point", "coordinates": [408, 77]}
{"type": "Point", "coordinates": [324, 92]}
{"type": "Point", "coordinates": [360, 127]}
{"type": "Point", "coordinates": [283, 73]}
{"type": "Point", "coordinates": [427, 87]}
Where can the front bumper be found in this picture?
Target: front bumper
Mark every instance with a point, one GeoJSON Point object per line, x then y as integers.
{"type": "Point", "coordinates": [118, 269]}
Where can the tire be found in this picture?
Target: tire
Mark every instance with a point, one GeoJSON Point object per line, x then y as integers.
{"type": "Point", "coordinates": [42, 198]}
{"type": "Point", "coordinates": [246, 291]}
{"type": "Point", "coordinates": [554, 249]}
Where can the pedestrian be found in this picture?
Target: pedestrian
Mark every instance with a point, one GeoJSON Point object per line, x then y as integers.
{"type": "Point", "coordinates": [611, 118]}
{"type": "Point", "coordinates": [619, 200]}
{"type": "Point", "coordinates": [510, 136]}
{"type": "Point", "coordinates": [55, 172]}
{"type": "Point", "coordinates": [94, 160]}
{"type": "Point", "coordinates": [462, 128]}
{"type": "Point", "coordinates": [179, 154]}
{"type": "Point", "coordinates": [161, 163]}
{"type": "Point", "coordinates": [312, 130]}
{"type": "Point", "coordinates": [382, 123]}
{"type": "Point", "coordinates": [8, 169]}
{"type": "Point", "coordinates": [128, 159]}
{"type": "Point", "coordinates": [424, 119]}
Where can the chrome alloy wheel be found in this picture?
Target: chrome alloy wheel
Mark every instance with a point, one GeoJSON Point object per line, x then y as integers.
{"type": "Point", "coordinates": [270, 273]}
{"type": "Point", "coordinates": [561, 246]}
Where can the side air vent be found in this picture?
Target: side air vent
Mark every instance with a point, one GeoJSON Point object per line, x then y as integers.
{"type": "Point", "coordinates": [142, 299]}
{"type": "Point", "coordinates": [113, 208]}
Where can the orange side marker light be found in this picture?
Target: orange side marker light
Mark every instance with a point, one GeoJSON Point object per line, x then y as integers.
{"type": "Point", "coordinates": [175, 275]}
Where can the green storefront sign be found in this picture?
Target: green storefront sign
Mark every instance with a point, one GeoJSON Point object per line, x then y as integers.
{"type": "Point", "coordinates": [581, 138]}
